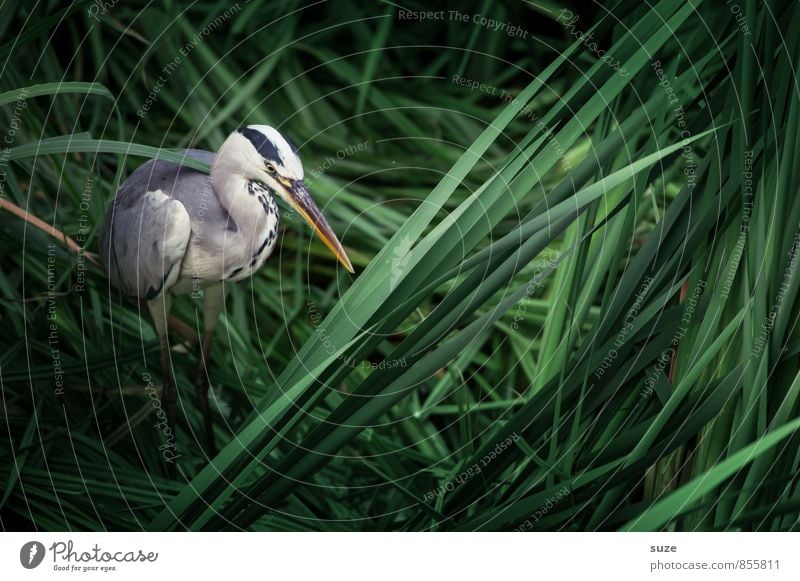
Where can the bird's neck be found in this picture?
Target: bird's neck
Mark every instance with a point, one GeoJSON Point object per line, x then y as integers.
{"type": "Point", "coordinates": [237, 196]}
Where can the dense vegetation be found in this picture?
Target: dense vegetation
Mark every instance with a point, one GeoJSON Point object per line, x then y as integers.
{"type": "Point", "coordinates": [575, 229]}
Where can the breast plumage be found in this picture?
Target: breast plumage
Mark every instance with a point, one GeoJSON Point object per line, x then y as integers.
{"type": "Point", "coordinates": [269, 234]}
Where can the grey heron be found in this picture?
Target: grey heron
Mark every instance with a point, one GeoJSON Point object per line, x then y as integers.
{"type": "Point", "coordinates": [174, 230]}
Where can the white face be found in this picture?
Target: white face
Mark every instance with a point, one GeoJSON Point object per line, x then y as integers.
{"type": "Point", "coordinates": [260, 153]}
{"type": "Point", "coordinates": [269, 155]}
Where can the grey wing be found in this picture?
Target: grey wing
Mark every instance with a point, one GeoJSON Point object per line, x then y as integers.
{"type": "Point", "coordinates": [143, 245]}
{"type": "Point", "coordinates": [149, 225]}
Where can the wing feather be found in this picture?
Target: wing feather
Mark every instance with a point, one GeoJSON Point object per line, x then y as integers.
{"type": "Point", "coordinates": [144, 244]}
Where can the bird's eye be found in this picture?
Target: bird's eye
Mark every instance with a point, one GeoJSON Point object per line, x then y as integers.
{"type": "Point", "coordinates": [271, 168]}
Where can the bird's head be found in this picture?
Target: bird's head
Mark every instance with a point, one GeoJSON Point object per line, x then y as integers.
{"type": "Point", "coordinates": [260, 153]}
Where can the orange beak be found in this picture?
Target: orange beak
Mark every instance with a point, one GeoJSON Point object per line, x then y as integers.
{"type": "Point", "coordinates": [301, 200]}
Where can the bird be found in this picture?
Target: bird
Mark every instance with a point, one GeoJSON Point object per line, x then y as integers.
{"type": "Point", "coordinates": [174, 230]}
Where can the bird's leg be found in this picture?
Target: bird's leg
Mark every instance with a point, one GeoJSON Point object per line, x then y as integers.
{"type": "Point", "coordinates": [213, 303]}
{"type": "Point", "coordinates": [159, 310]}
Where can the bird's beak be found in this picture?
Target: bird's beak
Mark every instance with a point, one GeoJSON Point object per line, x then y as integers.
{"type": "Point", "coordinates": [300, 199]}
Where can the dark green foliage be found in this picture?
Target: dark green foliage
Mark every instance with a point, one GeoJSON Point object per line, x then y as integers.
{"type": "Point", "coordinates": [576, 296]}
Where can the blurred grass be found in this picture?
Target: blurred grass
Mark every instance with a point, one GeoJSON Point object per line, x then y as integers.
{"type": "Point", "coordinates": [589, 288]}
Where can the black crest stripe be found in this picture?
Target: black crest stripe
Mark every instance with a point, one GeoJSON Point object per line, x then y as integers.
{"type": "Point", "coordinates": [262, 143]}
